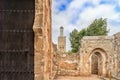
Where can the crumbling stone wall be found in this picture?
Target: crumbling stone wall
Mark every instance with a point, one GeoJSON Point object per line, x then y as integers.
{"type": "Point", "coordinates": [67, 64]}
{"type": "Point", "coordinates": [54, 66]}
{"type": "Point", "coordinates": [38, 44]}
{"type": "Point", "coordinates": [43, 42]}
{"type": "Point", "coordinates": [117, 48]}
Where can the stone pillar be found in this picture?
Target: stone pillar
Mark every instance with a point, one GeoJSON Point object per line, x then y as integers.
{"type": "Point", "coordinates": [43, 41]}
{"type": "Point", "coordinates": [84, 65]}
{"type": "Point", "coordinates": [47, 39]}
{"type": "Point", "coordinates": [38, 44]}
{"type": "Point", "coordinates": [81, 64]}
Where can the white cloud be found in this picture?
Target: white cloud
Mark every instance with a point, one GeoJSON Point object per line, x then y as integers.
{"type": "Point", "coordinates": [89, 14]}
{"type": "Point", "coordinates": [118, 2]}
{"type": "Point", "coordinates": [77, 4]}
{"type": "Point", "coordinates": [113, 29]}
{"type": "Point", "coordinates": [95, 2]}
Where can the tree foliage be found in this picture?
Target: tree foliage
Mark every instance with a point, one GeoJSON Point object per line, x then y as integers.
{"type": "Point", "coordinates": [74, 39]}
{"type": "Point", "coordinates": [96, 28]}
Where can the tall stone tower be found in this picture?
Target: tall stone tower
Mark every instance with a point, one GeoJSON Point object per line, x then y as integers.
{"type": "Point", "coordinates": [62, 41]}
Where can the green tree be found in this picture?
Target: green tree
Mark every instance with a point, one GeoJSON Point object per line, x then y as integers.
{"type": "Point", "coordinates": [82, 33]}
{"type": "Point", "coordinates": [96, 28]}
{"type": "Point", "coordinates": [74, 40]}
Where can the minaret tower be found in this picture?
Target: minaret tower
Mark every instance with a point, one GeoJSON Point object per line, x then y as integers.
{"type": "Point", "coordinates": [62, 41]}
{"type": "Point", "coordinates": [61, 31]}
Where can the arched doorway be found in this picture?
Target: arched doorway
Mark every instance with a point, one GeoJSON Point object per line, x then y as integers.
{"type": "Point", "coordinates": [96, 63]}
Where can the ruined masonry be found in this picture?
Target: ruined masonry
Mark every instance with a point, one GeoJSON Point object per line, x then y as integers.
{"type": "Point", "coordinates": [42, 40]}
{"type": "Point", "coordinates": [98, 55]}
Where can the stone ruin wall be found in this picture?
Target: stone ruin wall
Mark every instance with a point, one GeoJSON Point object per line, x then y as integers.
{"type": "Point", "coordinates": [38, 44]}
{"type": "Point", "coordinates": [43, 41]}
{"type": "Point", "coordinates": [67, 64]}
{"type": "Point", "coordinates": [117, 48]}
{"type": "Point", "coordinates": [54, 66]}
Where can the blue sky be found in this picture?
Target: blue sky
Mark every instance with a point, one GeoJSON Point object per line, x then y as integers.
{"type": "Point", "coordinates": [80, 13]}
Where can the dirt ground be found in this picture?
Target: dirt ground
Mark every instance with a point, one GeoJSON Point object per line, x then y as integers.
{"type": "Point", "coordinates": [93, 77]}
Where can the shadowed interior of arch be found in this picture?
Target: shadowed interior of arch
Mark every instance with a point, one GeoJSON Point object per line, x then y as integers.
{"type": "Point", "coordinates": [96, 65]}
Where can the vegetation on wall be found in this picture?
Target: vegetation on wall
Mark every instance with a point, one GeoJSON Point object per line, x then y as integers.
{"type": "Point", "coordinates": [97, 28]}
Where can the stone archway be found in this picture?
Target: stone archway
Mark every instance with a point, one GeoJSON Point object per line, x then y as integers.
{"type": "Point", "coordinates": [98, 62]}
{"type": "Point", "coordinates": [104, 46]}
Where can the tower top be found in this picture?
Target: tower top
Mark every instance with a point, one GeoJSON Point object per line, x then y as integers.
{"type": "Point", "coordinates": [61, 31]}
{"type": "Point", "coordinates": [61, 27]}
